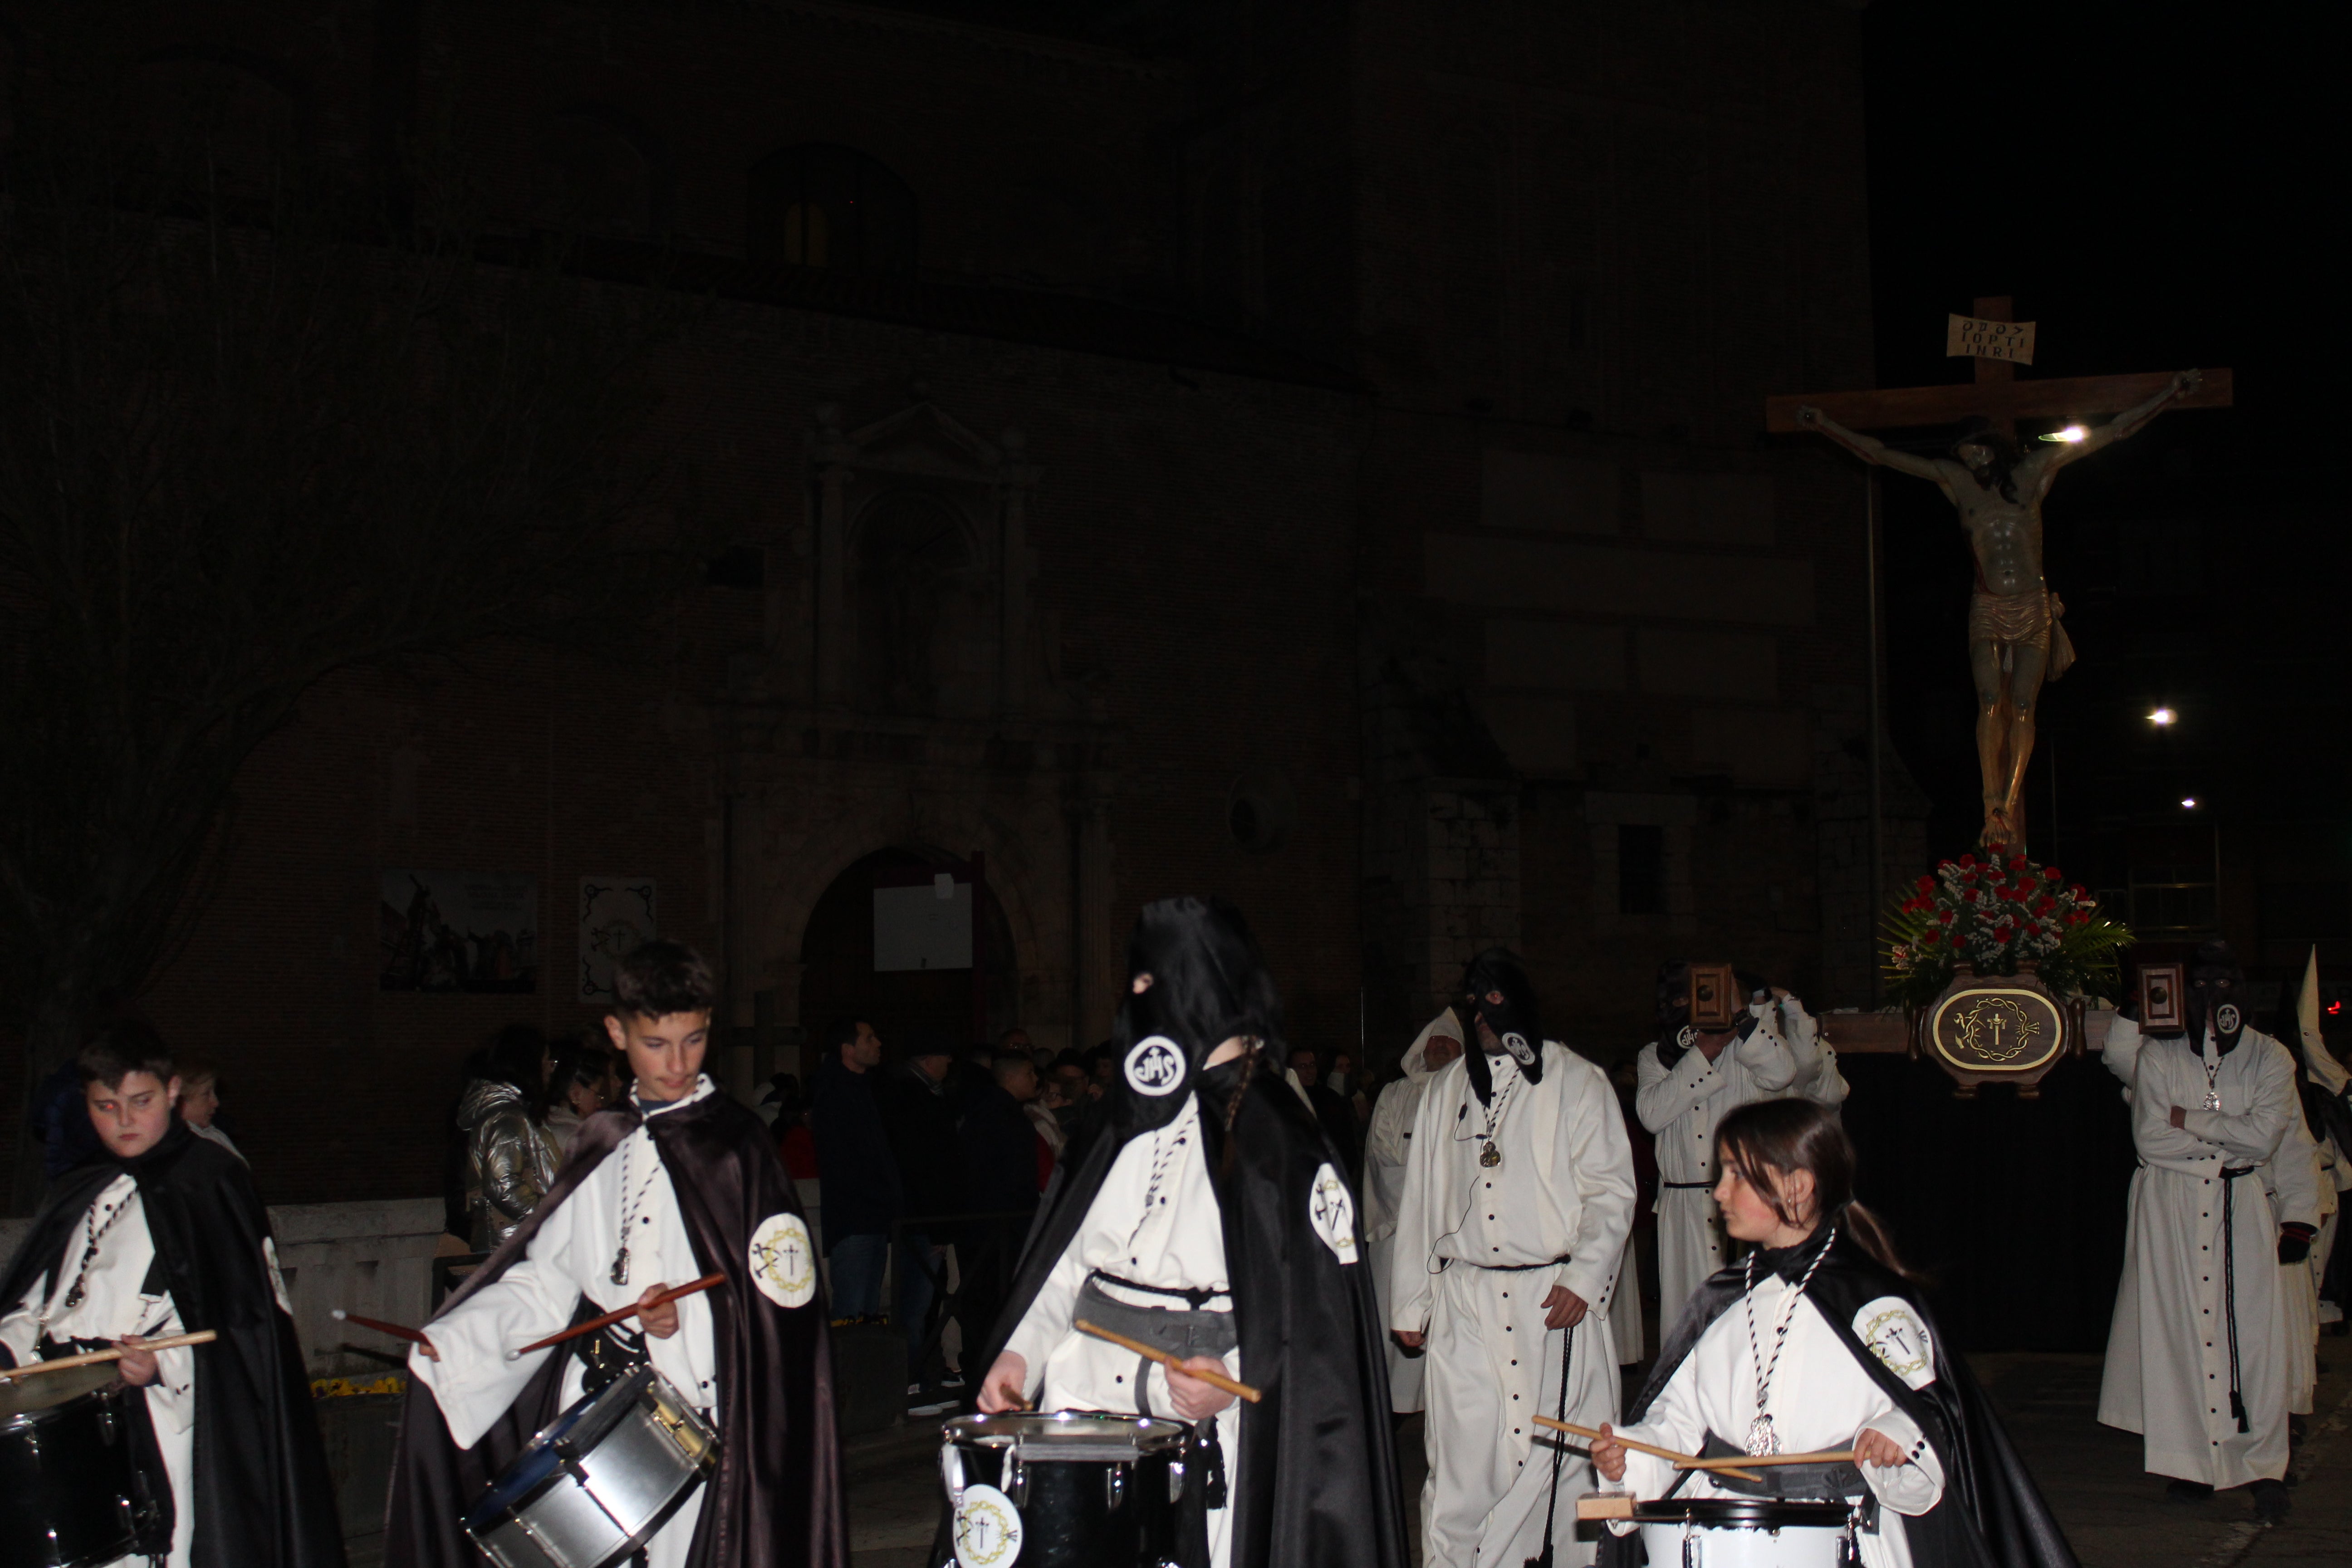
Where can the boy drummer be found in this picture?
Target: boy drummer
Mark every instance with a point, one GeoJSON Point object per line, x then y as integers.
{"type": "Point", "coordinates": [161, 1233]}
{"type": "Point", "coordinates": [679, 1183]}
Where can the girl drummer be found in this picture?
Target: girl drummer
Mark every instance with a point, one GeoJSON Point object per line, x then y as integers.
{"type": "Point", "coordinates": [1818, 1342]}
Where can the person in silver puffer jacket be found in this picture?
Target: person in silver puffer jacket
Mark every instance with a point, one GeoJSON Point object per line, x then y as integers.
{"type": "Point", "coordinates": [510, 1160]}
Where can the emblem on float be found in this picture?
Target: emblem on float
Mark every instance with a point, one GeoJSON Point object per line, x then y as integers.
{"type": "Point", "coordinates": [1997, 1028]}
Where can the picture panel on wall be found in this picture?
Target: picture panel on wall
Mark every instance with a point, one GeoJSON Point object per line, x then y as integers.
{"type": "Point", "coordinates": [617, 917]}
{"type": "Point", "coordinates": [458, 930]}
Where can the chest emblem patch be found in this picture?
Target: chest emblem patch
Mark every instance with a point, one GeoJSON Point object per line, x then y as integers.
{"type": "Point", "coordinates": [783, 1263]}
{"type": "Point", "coordinates": [1155, 1066]}
{"type": "Point", "coordinates": [1896, 1337]}
{"type": "Point", "coordinates": [1332, 1210]}
{"type": "Point", "coordinates": [987, 1528]}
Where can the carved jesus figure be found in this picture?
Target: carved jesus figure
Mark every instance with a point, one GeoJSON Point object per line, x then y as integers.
{"type": "Point", "coordinates": [2015, 640]}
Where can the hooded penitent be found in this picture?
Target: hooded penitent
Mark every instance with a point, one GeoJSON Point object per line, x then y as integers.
{"type": "Point", "coordinates": [1495, 988]}
{"type": "Point", "coordinates": [264, 1498]}
{"type": "Point", "coordinates": [1313, 1484]}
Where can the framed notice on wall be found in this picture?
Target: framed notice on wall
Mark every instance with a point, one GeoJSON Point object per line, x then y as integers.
{"type": "Point", "coordinates": [458, 930]}
{"type": "Point", "coordinates": [616, 916]}
{"type": "Point", "coordinates": [922, 919]}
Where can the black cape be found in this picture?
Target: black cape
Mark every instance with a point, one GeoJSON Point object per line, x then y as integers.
{"type": "Point", "coordinates": [776, 1497]}
{"type": "Point", "coordinates": [1991, 1514]}
{"type": "Point", "coordinates": [264, 1496]}
{"type": "Point", "coordinates": [1315, 1482]}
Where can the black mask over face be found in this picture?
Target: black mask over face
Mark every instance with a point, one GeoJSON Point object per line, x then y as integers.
{"type": "Point", "coordinates": [2216, 999]}
{"type": "Point", "coordinates": [1496, 993]}
{"type": "Point", "coordinates": [1208, 985]}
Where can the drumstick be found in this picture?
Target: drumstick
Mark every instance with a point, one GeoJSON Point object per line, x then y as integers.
{"type": "Point", "coordinates": [170, 1343]}
{"type": "Point", "coordinates": [1572, 1430]}
{"type": "Point", "coordinates": [1214, 1379]}
{"type": "Point", "coordinates": [395, 1330]}
{"type": "Point", "coordinates": [1725, 1464]}
{"type": "Point", "coordinates": [609, 1318]}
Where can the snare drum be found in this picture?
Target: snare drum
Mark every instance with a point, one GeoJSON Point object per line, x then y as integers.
{"type": "Point", "coordinates": [1745, 1532]}
{"type": "Point", "coordinates": [1070, 1489]}
{"type": "Point", "coordinates": [72, 1490]}
{"type": "Point", "coordinates": [596, 1485]}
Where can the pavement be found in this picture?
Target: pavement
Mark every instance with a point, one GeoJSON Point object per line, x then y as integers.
{"type": "Point", "coordinates": [2115, 1513]}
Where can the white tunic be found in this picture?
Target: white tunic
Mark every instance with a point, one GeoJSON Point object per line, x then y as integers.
{"type": "Point", "coordinates": [1821, 1399]}
{"type": "Point", "coordinates": [113, 1305]}
{"type": "Point", "coordinates": [2292, 1180]}
{"type": "Point", "coordinates": [2169, 1351]}
{"type": "Point", "coordinates": [1681, 1107]}
{"type": "Point", "coordinates": [1477, 1249]}
{"type": "Point", "coordinates": [572, 1258]}
{"type": "Point", "coordinates": [1388, 1146]}
{"type": "Point", "coordinates": [1175, 1241]}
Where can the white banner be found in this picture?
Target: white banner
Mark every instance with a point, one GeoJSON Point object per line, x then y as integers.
{"type": "Point", "coordinates": [1966, 337]}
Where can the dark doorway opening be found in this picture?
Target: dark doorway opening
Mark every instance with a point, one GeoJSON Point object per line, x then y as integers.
{"type": "Point", "coordinates": [838, 979]}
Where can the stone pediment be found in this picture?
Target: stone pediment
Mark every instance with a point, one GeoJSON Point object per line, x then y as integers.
{"type": "Point", "coordinates": [920, 440]}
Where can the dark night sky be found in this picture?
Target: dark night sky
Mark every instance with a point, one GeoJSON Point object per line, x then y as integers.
{"type": "Point", "coordinates": [2149, 181]}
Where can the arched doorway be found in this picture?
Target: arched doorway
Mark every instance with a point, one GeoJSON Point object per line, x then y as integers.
{"type": "Point", "coordinates": [838, 977]}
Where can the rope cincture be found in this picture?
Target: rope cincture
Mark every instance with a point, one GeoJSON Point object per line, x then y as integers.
{"type": "Point", "coordinates": [2229, 1289]}
{"type": "Point", "coordinates": [1559, 1448]}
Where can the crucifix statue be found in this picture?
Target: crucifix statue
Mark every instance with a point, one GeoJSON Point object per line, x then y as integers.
{"type": "Point", "coordinates": [2015, 638]}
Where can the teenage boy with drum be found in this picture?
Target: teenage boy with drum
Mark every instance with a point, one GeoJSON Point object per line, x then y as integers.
{"type": "Point", "coordinates": [161, 1234]}
{"type": "Point", "coordinates": [679, 1183]}
{"type": "Point", "coordinates": [1817, 1344]}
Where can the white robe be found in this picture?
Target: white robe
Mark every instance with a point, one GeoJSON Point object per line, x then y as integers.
{"type": "Point", "coordinates": [1681, 1108]}
{"type": "Point", "coordinates": [1821, 1399]}
{"type": "Point", "coordinates": [571, 1257]}
{"type": "Point", "coordinates": [113, 1306]}
{"type": "Point", "coordinates": [1465, 1236]}
{"type": "Point", "coordinates": [2291, 1182]}
{"type": "Point", "coordinates": [2335, 1167]}
{"type": "Point", "coordinates": [2168, 1364]}
{"type": "Point", "coordinates": [1387, 1147]}
{"type": "Point", "coordinates": [1176, 1244]}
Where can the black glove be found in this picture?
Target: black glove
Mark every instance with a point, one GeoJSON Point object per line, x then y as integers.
{"type": "Point", "coordinates": [2295, 1243]}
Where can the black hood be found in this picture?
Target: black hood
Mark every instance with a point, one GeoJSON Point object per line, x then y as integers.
{"type": "Point", "coordinates": [1209, 984]}
{"type": "Point", "coordinates": [2217, 996]}
{"type": "Point", "coordinates": [1496, 989]}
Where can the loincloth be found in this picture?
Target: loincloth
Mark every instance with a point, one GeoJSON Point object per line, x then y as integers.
{"type": "Point", "coordinates": [2031, 619]}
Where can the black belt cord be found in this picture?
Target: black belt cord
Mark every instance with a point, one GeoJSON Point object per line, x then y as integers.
{"type": "Point", "coordinates": [1559, 1449]}
{"type": "Point", "coordinates": [2230, 1286]}
{"type": "Point", "coordinates": [1684, 1186]}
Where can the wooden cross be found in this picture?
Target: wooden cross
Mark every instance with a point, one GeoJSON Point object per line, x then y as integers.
{"type": "Point", "coordinates": [1996, 394]}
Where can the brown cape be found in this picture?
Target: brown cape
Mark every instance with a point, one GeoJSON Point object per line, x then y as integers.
{"type": "Point", "coordinates": [776, 1497]}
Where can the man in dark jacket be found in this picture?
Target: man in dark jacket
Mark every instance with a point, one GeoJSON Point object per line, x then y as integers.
{"type": "Point", "coordinates": [922, 1122]}
{"type": "Point", "coordinates": [1000, 1165]}
{"type": "Point", "coordinates": [860, 1176]}
{"type": "Point", "coordinates": [1336, 1115]}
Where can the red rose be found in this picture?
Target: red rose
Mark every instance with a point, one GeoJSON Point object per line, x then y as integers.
{"type": "Point", "coordinates": [1945, 916]}
{"type": "Point", "coordinates": [1926, 884]}
{"type": "Point", "coordinates": [2075, 891]}
{"type": "Point", "coordinates": [1930, 938]}
{"type": "Point", "coordinates": [1968, 859]}
{"type": "Point", "coordinates": [2051, 873]}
